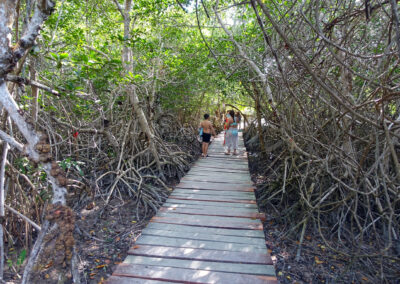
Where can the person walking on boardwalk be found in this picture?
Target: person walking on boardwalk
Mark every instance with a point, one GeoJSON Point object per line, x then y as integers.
{"type": "Point", "coordinates": [231, 134]}
{"type": "Point", "coordinates": [225, 125]}
{"type": "Point", "coordinates": [238, 119]}
{"type": "Point", "coordinates": [208, 130]}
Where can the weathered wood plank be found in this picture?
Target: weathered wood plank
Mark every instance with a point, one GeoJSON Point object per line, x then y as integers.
{"type": "Point", "coordinates": [211, 203]}
{"type": "Point", "coordinates": [218, 155]}
{"type": "Point", "coordinates": [213, 179]}
{"type": "Point", "coordinates": [217, 195]}
{"type": "Point", "coordinates": [188, 276]}
{"type": "Point", "coordinates": [198, 244]}
{"type": "Point", "coordinates": [223, 163]}
{"type": "Point", "coordinates": [214, 192]}
{"type": "Point", "coordinates": [211, 185]}
{"type": "Point", "coordinates": [214, 212]}
{"type": "Point", "coordinates": [208, 207]}
{"type": "Point", "coordinates": [212, 231]}
{"type": "Point", "coordinates": [222, 167]}
{"type": "Point", "coordinates": [218, 175]}
{"type": "Point", "coordinates": [212, 198]}
{"type": "Point", "coordinates": [217, 180]}
{"type": "Point", "coordinates": [245, 189]}
{"type": "Point", "coordinates": [257, 269]}
{"type": "Point", "coordinates": [224, 195]}
{"type": "Point", "coordinates": [223, 160]}
{"type": "Point", "coordinates": [260, 257]}
{"type": "Point", "coordinates": [259, 242]}
{"type": "Point", "coordinates": [211, 223]}
{"type": "Point", "coordinates": [205, 218]}
{"type": "Point", "coordinates": [220, 171]}
{"type": "Point", "coordinates": [120, 279]}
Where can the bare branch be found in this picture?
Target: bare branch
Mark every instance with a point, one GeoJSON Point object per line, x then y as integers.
{"type": "Point", "coordinates": [120, 8]}
{"type": "Point", "coordinates": [11, 141]}
{"type": "Point", "coordinates": [36, 226]}
{"type": "Point", "coordinates": [26, 81]}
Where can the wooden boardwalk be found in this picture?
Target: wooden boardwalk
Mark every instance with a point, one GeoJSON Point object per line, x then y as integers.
{"type": "Point", "coordinates": [208, 231]}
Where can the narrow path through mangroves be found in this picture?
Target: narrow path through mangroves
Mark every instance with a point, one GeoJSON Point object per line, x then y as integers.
{"type": "Point", "coordinates": [208, 231]}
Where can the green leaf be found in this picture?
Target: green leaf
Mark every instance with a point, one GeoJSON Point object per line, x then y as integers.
{"type": "Point", "coordinates": [21, 257]}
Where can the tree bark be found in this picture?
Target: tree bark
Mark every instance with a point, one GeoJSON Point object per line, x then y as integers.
{"type": "Point", "coordinates": [34, 90]}
{"type": "Point", "coordinates": [258, 115]}
{"type": "Point", "coordinates": [37, 147]}
{"type": "Point", "coordinates": [144, 125]}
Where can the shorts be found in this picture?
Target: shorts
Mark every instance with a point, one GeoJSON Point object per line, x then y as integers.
{"type": "Point", "coordinates": [206, 137]}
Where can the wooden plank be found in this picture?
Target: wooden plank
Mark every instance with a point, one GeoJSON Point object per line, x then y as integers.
{"type": "Point", "coordinates": [197, 244]}
{"type": "Point", "coordinates": [257, 269]}
{"type": "Point", "coordinates": [188, 276]}
{"type": "Point", "coordinates": [229, 180]}
{"type": "Point", "coordinates": [211, 203]}
{"type": "Point", "coordinates": [204, 230]}
{"type": "Point", "coordinates": [216, 197]}
{"type": "Point", "coordinates": [210, 224]}
{"type": "Point", "coordinates": [120, 279]}
{"type": "Point", "coordinates": [242, 156]}
{"type": "Point", "coordinates": [218, 175]}
{"type": "Point", "coordinates": [201, 254]}
{"type": "Point", "coordinates": [214, 166]}
{"type": "Point", "coordinates": [212, 185]}
{"type": "Point", "coordinates": [225, 197]}
{"type": "Point", "coordinates": [193, 211]}
{"type": "Point", "coordinates": [205, 206]}
{"type": "Point", "coordinates": [214, 200]}
{"type": "Point", "coordinates": [245, 189]}
{"type": "Point", "coordinates": [214, 192]}
{"type": "Point", "coordinates": [217, 194]}
{"type": "Point", "coordinates": [211, 209]}
{"type": "Point", "coordinates": [206, 218]}
{"type": "Point", "coordinates": [226, 167]}
{"type": "Point", "coordinates": [235, 184]}
{"type": "Point", "coordinates": [259, 242]}
{"type": "Point", "coordinates": [201, 169]}
{"type": "Point", "coordinates": [223, 162]}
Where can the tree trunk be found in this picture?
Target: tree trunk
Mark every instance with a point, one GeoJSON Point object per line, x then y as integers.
{"type": "Point", "coordinates": [259, 126]}
{"type": "Point", "coordinates": [37, 148]}
{"type": "Point", "coordinates": [144, 125]}
{"type": "Point", "coordinates": [126, 52]}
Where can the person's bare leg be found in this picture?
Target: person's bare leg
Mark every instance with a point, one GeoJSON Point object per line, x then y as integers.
{"type": "Point", "coordinates": [205, 149]}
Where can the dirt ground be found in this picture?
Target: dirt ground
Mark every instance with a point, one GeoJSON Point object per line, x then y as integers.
{"type": "Point", "coordinates": [104, 241]}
